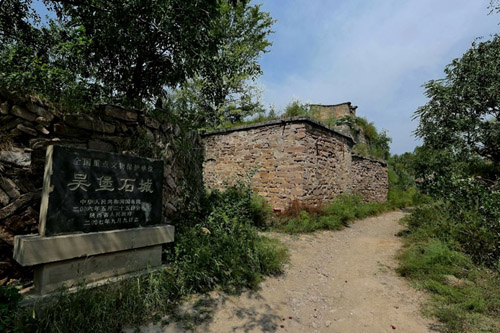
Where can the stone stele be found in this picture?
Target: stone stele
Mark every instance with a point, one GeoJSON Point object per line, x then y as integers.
{"type": "Point", "coordinates": [100, 217]}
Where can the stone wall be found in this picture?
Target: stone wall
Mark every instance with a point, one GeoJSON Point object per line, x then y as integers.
{"type": "Point", "coordinates": [28, 125]}
{"type": "Point", "coordinates": [293, 159]}
{"type": "Point", "coordinates": [325, 112]}
{"type": "Point", "coordinates": [369, 178]}
{"type": "Point", "coordinates": [272, 153]}
{"type": "Point", "coordinates": [327, 165]}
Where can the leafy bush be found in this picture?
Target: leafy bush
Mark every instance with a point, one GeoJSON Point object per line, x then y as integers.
{"type": "Point", "coordinates": [260, 211]}
{"type": "Point", "coordinates": [9, 303]}
{"type": "Point", "coordinates": [469, 217]}
{"type": "Point", "coordinates": [224, 249]}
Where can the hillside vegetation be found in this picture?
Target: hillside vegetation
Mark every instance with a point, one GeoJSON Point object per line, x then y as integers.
{"type": "Point", "coordinates": [453, 242]}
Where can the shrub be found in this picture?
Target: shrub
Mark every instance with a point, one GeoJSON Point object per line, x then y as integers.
{"type": "Point", "coordinates": [468, 217]}
{"type": "Point", "coordinates": [260, 211]}
{"type": "Point", "coordinates": [334, 216]}
{"type": "Point", "coordinates": [9, 303]}
{"type": "Point", "coordinates": [464, 297]}
{"type": "Point", "coordinates": [224, 249]}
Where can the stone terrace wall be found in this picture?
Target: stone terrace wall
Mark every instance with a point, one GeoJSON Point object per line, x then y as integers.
{"type": "Point", "coordinates": [327, 166]}
{"type": "Point", "coordinates": [294, 159]}
{"type": "Point", "coordinates": [29, 125]}
{"type": "Point", "coordinates": [369, 178]}
{"type": "Point", "coordinates": [273, 152]}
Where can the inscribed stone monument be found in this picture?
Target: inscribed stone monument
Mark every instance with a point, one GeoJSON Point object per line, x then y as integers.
{"type": "Point", "coordinates": [89, 191]}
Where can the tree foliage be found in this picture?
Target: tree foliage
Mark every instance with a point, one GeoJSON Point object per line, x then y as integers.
{"type": "Point", "coordinates": [463, 112]}
{"type": "Point", "coordinates": [224, 88]}
{"type": "Point", "coordinates": [135, 52]}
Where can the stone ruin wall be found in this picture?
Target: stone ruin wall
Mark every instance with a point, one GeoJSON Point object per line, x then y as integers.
{"type": "Point", "coordinates": [292, 160]}
{"type": "Point", "coordinates": [369, 178]}
{"type": "Point", "coordinates": [28, 125]}
{"type": "Point", "coordinates": [326, 167]}
{"type": "Point", "coordinates": [325, 112]}
{"type": "Point", "coordinates": [274, 153]}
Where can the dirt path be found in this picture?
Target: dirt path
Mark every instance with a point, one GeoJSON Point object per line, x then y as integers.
{"type": "Point", "coordinates": [340, 281]}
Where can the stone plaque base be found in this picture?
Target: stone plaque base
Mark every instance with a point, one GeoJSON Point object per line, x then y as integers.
{"type": "Point", "coordinates": [88, 257]}
{"type": "Point", "coordinates": [68, 273]}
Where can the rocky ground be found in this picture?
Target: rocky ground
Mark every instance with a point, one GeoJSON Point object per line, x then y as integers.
{"type": "Point", "coordinates": [342, 281]}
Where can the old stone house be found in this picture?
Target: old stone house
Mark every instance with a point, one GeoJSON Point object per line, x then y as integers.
{"type": "Point", "coordinates": [324, 112]}
{"type": "Point", "coordinates": [292, 159]}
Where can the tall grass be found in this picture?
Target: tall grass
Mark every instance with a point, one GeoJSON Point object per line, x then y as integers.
{"type": "Point", "coordinates": [336, 215]}
{"type": "Point", "coordinates": [342, 210]}
{"type": "Point", "coordinates": [464, 297]}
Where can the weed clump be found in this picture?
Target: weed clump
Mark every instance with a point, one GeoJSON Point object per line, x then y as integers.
{"type": "Point", "coordinates": [338, 214]}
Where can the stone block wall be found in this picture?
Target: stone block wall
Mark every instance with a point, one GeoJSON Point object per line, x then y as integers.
{"type": "Point", "coordinates": [273, 154]}
{"type": "Point", "coordinates": [327, 165]}
{"type": "Point", "coordinates": [325, 112]}
{"type": "Point", "coordinates": [369, 178]}
{"type": "Point", "coordinates": [294, 159]}
{"type": "Point", "coordinates": [28, 125]}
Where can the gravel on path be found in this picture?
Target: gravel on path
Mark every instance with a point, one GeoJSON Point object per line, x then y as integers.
{"type": "Point", "coordinates": [337, 281]}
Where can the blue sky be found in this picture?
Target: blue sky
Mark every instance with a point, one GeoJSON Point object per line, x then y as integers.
{"type": "Point", "coordinates": [376, 54]}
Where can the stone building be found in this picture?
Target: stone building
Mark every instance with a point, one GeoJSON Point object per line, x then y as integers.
{"type": "Point", "coordinates": [292, 159]}
{"type": "Point", "coordinates": [324, 112]}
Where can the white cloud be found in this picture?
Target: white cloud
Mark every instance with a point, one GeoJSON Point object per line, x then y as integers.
{"type": "Point", "coordinates": [375, 54]}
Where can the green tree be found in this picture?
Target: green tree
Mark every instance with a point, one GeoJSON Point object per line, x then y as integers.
{"type": "Point", "coordinates": [124, 51]}
{"type": "Point", "coordinates": [295, 109]}
{"type": "Point", "coordinates": [462, 115]}
{"type": "Point", "coordinates": [224, 89]}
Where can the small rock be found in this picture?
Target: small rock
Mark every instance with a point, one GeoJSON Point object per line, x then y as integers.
{"type": "Point", "coordinates": [328, 323]}
{"type": "Point", "coordinates": [101, 146]}
{"type": "Point", "coordinates": [453, 281]}
{"type": "Point", "coordinates": [20, 159]}
{"type": "Point", "coordinates": [40, 111]}
{"type": "Point", "coordinates": [89, 123]}
{"type": "Point", "coordinates": [150, 122]}
{"type": "Point", "coordinates": [23, 113]}
{"type": "Point", "coordinates": [4, 108]}
{"type": "Point", "coordinates": [9, 187]}
{"type": "Point", "coordinates": [10, 125]}
{"type": "Point", "coordinates": [4, 198]}
{"type": "Point", "coordinates": [15, 132]}
{"type": "Point", "coordinates": [40, 143]}
{"type": "Point", "coordinates": [27, 130]}
{"type": "Point", "coordinates": [43, 121]}
{"type": "Point", "coordinates": [64, 130]}
{"type": "Point", "coordinates": [42, 129]}
{"type": "Point", "coordinates": [17, 204]}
